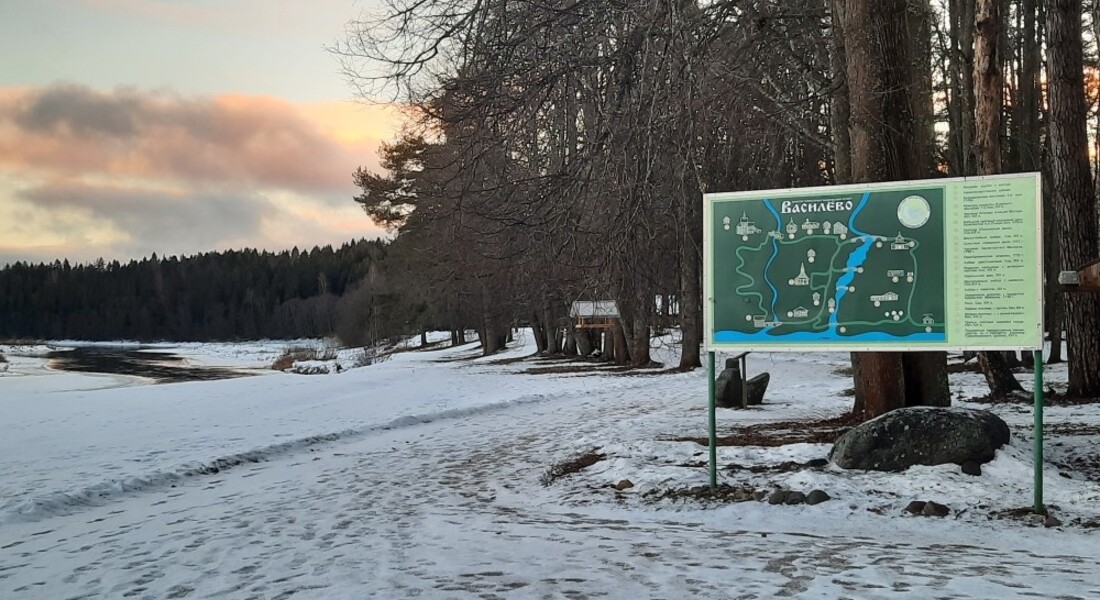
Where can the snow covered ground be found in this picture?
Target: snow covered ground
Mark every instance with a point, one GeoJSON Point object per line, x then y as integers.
{"type": "Point", "coordinates": [423, 476]}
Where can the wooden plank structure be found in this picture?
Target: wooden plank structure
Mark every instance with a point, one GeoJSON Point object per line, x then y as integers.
{"type": "Point", "coordinates": [600, 314]}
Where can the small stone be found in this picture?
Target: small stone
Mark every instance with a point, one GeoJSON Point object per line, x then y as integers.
{"type": "Point", "coordinates": [760, 495]}
{"type": "Point", "coordinates": [795, 498]}
{"type": "Point", "coordinates": [817, 462]}
{"type": "Point", "coordinates": [972, 467]}
{"type": "Point", "coordinates": [624, 484]}
{"type": "Point", "coordinates": [778, 497]}
{"type": "Point", "coordinates": [935, 509]}
{"type": "Point", "coordinates": [817, 497]}
{"type": "Point", "coordinates": [1052, 521]}
{"type": "Point", "coordinates": [1035, 518]}
{"type": "Point", "coordinates": [915, 507]}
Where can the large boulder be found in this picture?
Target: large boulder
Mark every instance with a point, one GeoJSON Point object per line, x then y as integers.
{"type": "Point", "coordinates": [921, 436]}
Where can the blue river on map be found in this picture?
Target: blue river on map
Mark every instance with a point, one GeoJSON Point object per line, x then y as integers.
{"type": "Point", "coordinates": [855, 260]}
{"type": "Point", "coordinates": [825, 336]}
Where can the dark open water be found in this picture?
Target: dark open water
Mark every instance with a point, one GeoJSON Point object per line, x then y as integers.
{"type": "Point", "coordinates": [160, 366]}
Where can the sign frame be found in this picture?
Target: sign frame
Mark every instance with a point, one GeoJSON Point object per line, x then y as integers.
{"type": "Point", "coordinates": [1036, 329]}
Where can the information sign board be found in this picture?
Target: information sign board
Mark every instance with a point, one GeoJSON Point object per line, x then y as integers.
{"type": "Point", "coordinates": [940, 264]}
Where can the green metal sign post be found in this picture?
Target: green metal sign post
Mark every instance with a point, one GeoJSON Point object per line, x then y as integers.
{"type": "Point", "coordinates": [950, 264]}
{"type": "Point", "coordinates": [713, 428]}
{"type": "Point", "coordinates": [1038, 449]}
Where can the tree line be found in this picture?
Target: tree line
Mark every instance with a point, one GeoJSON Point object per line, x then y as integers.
{"type": "Point", "coordinates": [238, 294]}
{"type": "Point", "coordinates": [558, 149]}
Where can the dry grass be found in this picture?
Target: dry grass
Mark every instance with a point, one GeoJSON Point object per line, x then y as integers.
{"type": "Point", "coordinates": [824, 431]}
{"type": "Point", "coordinates": [294, 354]}
{"type": "Point", "coordinates": [573, 465]}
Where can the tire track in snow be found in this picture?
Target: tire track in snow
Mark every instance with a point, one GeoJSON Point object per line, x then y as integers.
{"type": "Point", "coordinates": [68, 502]}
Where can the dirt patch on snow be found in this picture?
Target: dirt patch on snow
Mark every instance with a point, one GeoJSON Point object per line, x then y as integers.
{"type": "Point", "coordinates": [568, 467]}
{"type": "Point", "coordinates": [782, 433]}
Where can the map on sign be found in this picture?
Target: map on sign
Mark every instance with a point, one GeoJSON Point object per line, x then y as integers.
{"type": "Point", "coordinates": [865, 266]}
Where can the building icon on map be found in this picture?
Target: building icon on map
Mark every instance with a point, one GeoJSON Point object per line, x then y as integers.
{"type": "Point", "coordinates": [900, 243]}
{"type": "Point", "coordinates": [839, 229]}
{"type": "Point", "coordinates": [792, 228]}
{"type": "Point", "coordinates": [809, 226]}
{"type": "Point", "coordinates": [745, 226]}
{"type": "Point", "coordinates": [800, 313]}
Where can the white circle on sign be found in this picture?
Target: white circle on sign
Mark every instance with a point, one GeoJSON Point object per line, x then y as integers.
{"type": "Point", "coordinates": [928, 330]}
{"type": "Point", "coordinates": [748, 317]}
{"type": "Point", "coordinates": [913, 211]}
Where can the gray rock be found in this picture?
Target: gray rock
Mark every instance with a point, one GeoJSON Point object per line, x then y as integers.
{"type": "Point", "coordinates": [915, 507]}
{"type": "Point", "coordinates": [1052, 521]}
{"type": "Point", "coordinates": [921, 436]}
{"type": "Point", "coordinates": [778, 497]}
{"type": "Point", "coordinates": [795, 498]}
{"type": "Point", "coordinates": [727, 387]}
{"type": "Point", "coordinates": [815, 463]}
{"type": "Point", "coordinates": [971, 467]}
{"type": "Point", "coordinates": [817, 497]}
{"type": "Point", "coordinates": [760, 495]}
{"type": "Point", "coordinates": [935, 509]}
{"type": "Point", "coordinates": [625, 484]}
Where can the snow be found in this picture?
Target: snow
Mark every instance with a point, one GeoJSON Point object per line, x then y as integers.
{"type": "Point", "coordinates": [420, 476]}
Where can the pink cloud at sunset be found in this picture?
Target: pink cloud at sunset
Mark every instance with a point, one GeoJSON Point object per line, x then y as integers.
{"type": "Point", "coordinates": [125, 172]}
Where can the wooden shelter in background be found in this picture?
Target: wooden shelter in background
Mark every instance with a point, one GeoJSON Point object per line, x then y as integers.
{"type": "Point", "coordinates": [600, 314]}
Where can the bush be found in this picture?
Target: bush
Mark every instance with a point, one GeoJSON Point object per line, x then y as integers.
{"type": "Point", "coordinates": [370, 356]}
{"type": "Point", "coordinates": [294, 354]}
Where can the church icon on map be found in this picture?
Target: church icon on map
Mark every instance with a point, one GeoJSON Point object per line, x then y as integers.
{"type": "Point", "coordinates": [802, 279]}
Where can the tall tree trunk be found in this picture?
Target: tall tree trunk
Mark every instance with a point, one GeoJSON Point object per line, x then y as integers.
{"type": "Point", "coordinates": [988, 88]}
{"type": "Point", "coordinates": [539, 332]}
{"type": "Point", "coordinates": [886, 137]}
{"type": "Point", "coordinates": [691, 296]}
{"type": "Point", "coordinates": [691, 291]}
{"type": "Point", "coordinates": [966, 58]}
{"type": "Point", "coordinates": [639, 347]}
{"type": "Point", "coordinates": [618, 336]}
{"type": "Point", "coordinates": [840, 109]}
{"type": "Point", "coordinates": [1074, 205]}
{"type": "Point", "coordinates": [550, 332]}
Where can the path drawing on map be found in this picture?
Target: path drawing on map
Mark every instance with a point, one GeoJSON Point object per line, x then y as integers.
{"type": "Point", "coordinates": [862, 266]}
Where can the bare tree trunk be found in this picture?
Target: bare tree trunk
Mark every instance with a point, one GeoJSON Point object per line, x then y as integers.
{"type": "Point", "coordinates": [886, 132]}
{"type": "Point", "coordinates": [539, 333]}
{"type": "Point", "coordinates": [966, 56]}
{"type": "Point", "coordinates": [691, 296]}
{"type": "Point", "coordinates": [840, 108]}
{"type": "Point", "coordinates": [988, 87]}
{"type": "Point", "coordinates": [639, 348]}
{"type": "Point", "coordinates": [618, 335]}
{"type": "Point", "coordinates": [1075, 207]}
{"type": "Point", "coordinates": [550, 332]}
{"type": "Point", "coordinates": [582, 342]}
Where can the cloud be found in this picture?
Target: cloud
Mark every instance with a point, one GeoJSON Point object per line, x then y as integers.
{"type": "Point", "coordinates": [122, 173]}
{"type": "Point", "coordinates": [79, 221]}
{"type": "Point", "coordinates": [171, 219]}
{"type": "Point", "coordinates": [225, 139]}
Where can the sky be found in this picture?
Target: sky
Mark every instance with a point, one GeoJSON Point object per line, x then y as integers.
{"type": "Point", "coordinates": [179, 126]}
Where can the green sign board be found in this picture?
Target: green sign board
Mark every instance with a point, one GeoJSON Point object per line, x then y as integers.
{"type": "Point", "coordinates": [915, 265]}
